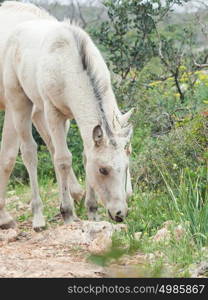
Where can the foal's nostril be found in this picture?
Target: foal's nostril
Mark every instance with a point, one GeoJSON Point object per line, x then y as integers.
{"type": "Point", "coordinates": [118, 213]}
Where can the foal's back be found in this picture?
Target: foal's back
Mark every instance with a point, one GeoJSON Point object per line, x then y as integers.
{"type": "Point", "coordinates": [12, 14]}
{"type": "Point", "coordinates": [43, 54]}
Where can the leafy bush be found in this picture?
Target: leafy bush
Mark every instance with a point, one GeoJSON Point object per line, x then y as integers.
{"type": "Point", "coordinates": [183, 147]}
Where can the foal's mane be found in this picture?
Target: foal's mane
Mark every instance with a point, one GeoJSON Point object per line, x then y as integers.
{"type": "Point", "coordinates": [97, 71]}
{"type": "Point", "coordinates": [16, 7]}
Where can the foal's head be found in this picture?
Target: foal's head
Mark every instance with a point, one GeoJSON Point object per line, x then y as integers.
{"type": "Point", "coordinates": [107, 169]}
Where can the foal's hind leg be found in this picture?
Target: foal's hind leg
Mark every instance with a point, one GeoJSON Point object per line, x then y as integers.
{"type": "Point", "coordinates": [21, 108]}
{"type": "Point", "coordinates": [8, 154]}
{"type": "Point", "coordinates": [39, 121]}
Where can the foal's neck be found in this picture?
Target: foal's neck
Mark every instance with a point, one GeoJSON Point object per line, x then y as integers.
{"type": "Point", "coordinates": [88, 115]}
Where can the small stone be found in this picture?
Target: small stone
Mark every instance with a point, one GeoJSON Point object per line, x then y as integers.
{"type": "Point", "coordinates": [101, 244]}
{"type": "Point", "coordinates": [137, 235]}
{"type": "Point", "coordinates": [150, 257]}
{"type": "Point", "coordinates": [9, 235]}
{"type": "Point", "coordinates": [162, 235]}
{"type": "Point", "coordinates": [168, 224]}
{"type": "Point", "coordinates": [199, 270]}
{"type": "Point", "coordinates": [179, 232]}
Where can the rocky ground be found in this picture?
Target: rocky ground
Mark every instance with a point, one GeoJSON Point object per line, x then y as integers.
{"type": "Point", "coordinates": [59, 252]}
{"type": "Point", "coordinates": [64, 250]}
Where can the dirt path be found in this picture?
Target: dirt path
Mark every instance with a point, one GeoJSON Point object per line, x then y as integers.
{"type": "Point", "coordinates": [58, 252]}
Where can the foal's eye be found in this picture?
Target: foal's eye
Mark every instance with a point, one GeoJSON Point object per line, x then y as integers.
{"type": "Point", "coordinates": [103, 171]}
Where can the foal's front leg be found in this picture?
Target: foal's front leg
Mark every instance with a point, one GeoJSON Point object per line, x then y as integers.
{"type": "Point", "coordinates": [62, 160]}
{"type": "Point", "coordinates": [91, 204]}
{"type": "Point", "coordinates": [90, 198]}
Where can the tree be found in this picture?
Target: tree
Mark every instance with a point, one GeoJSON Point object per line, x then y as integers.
{"type": "Point", "coordinates": [86, 14]}
{"type": "Point", "coordinates": [130, 35]}
{"type": "Point", "coordinates": [129, 31]}
{"type": "Point", "coordinates": [172, 53]}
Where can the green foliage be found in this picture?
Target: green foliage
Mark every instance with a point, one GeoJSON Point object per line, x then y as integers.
{"type": "Point", "coordinates": [76, 147]}
{"type": "Point", "coordinates": [128, 34]}
{"type": "Point", "coordinates": [181, 148]}
{"type": "Point", "coordinates": [190, 201]}
{"type": "Point", "coordinates": [130, 39]}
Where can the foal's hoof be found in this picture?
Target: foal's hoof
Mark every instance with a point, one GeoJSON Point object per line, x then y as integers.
{"type": "Point", "coordinates": [39, 224]}
{"type": "Point", "coordinates": [39, 229]}
{"type": "Point", "coordinates": [10, 224]}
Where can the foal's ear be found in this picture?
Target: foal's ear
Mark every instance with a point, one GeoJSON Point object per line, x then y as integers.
{"type": "Point", "coordinates": [97, 135]}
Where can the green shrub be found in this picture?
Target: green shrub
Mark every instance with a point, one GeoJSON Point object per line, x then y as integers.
{"type": "Point", "coordinates": [183, 147]}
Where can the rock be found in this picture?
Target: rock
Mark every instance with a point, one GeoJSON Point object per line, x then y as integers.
{"type": "Point", "coordinates": [199, 270]}
{"type": "Point", "coordinates": [169, 230]}
{"type": "Point", "coordinates": [9, 235]}
{"type": "Point", "coordinates": [179, 232]}
{"type": "Point", "coordinates": [94, 235]}
{"type": "Point", "coordinates": [168, 224]}
{"type": "Point", "coordinates": [101, 244]}
{"type": "Point", "coordinates": [162, 235]}
{"type": "Point", "coordinates": [137, 235]}
{"type": "Point", "coordinates": [150, 257]}
{"type": "Point", "coordinates": [56, 252]}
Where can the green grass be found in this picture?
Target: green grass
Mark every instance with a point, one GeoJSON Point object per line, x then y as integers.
{"type": "Point", "coordinates": [190, 202]}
